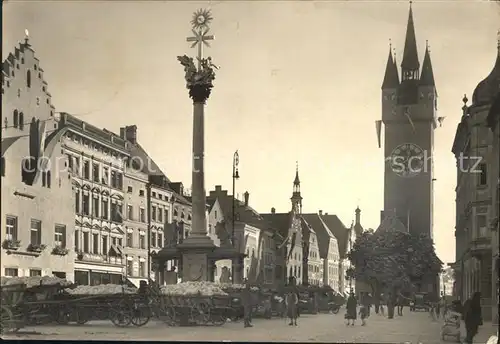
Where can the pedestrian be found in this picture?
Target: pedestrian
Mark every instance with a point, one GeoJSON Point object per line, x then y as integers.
{"type": "Point", "coordinates": [291, 301]}
{"type": "Point", "coordinates": [443, 305]}
{"type": "Point", "coordinates": [351, 307]}
{"type": "Point", "coordinates": [246, 299]}
{"type": "Point", "coordinates": [400, 304]}
{"type": "Point", "coordinates": [377, 304]}
{"type": "Point", "coordinates": [364, 309]}
{"type": "Point", "coordinates": [390, 305]}
{"type": "Point", "coordinates": [472, 316]}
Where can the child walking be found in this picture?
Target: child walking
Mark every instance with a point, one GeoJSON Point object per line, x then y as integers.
{"type": "Point", "coordinates": [363, 314]}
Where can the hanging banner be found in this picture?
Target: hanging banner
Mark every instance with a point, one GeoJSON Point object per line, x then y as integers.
{"type": "Point", "coordinates": [378, 126]}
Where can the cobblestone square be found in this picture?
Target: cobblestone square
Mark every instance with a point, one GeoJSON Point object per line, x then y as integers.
{"type": "Point", "coordinates": [412, 327]}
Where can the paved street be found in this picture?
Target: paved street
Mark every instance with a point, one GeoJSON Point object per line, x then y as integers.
{"type": "Point", "coordinates": [413, 327]}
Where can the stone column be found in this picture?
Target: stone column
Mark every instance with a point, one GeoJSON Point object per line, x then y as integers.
{"type": "Point", "coordinates": [199, 222]}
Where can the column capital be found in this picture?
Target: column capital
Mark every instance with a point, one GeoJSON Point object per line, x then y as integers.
{"type": "Point", "coordinates": [200, 92]}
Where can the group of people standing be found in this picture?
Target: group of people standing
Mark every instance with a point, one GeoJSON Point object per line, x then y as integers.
{"type": "Point", "coordinates": [291, 304]}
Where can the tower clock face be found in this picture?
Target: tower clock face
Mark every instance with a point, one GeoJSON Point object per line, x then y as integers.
{"type": "Point", "coordinates": [407, 160]}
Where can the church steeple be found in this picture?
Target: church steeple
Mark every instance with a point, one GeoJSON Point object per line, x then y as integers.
{"type": "Point", "coordinates": [410, 64]}
{"type": "Point", "coordinates": [427, 76]}
{"type": "Point", "coordinates": [391, 77]}
{"type": "Point", "coordinates": [296, 196]}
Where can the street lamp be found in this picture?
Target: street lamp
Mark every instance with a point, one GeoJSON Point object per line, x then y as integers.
{"type": "Point", "coordinates": [236, 175]}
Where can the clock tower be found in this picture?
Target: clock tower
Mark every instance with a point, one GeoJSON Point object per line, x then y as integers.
{"type": "Point", "coordinates": [409, 118]}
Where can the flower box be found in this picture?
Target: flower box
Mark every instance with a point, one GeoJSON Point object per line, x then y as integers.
{"type": "Point", "coordinates": [36, 248]}
{"type": "Point", "coordinates": [60, 251]}
{"type": "Point", "coordinates": [11, 244]}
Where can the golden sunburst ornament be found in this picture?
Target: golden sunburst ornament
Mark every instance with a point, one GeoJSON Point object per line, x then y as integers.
{"type": "Point", "coordinates": [201, 19]}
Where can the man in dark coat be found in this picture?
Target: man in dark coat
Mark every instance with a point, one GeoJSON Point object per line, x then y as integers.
{"type": "Point", "coordinates": [472, 317]}
{"type": "Point", "coordinates": [390, 305]}
{"type": "Point", "coordinates": [246, 299]}
{"type": "Point", "coordinates": [400, 303]}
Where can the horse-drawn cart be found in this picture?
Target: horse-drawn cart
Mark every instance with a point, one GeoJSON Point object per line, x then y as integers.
{"type": "Point", "coordinates": [29, 301]}
{"type": "Point", "coordinates": [185, 304]}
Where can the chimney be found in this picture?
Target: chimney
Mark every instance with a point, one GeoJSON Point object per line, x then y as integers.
{"type": "Point", "coordinates": [358, 216]}
{"type": "Point", "coordinates": [218, 188]}
{"type": "Point", "coordinates": [246, 195]}
{"type": "Point", "coordinates": [129, 133]}
{"type": "Point", "coordinates": [382, 215]}
{"type": "Point", "coordinates": [273, 210]}
{"type": "Point", "coordinates": [321, 212]}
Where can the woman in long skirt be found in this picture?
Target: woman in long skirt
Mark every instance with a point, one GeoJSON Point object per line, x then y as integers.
{"type": "Point", "coordinates": [292, 301]}
{"type": "Point", "coordinates": [351, 306]}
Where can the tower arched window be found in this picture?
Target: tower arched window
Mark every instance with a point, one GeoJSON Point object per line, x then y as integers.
{"type": "Point", "coordinates": [21, 121]}
{"type": "Point", "coordinates": [44, 178]}
{"type": "Point", "coordinates": [48, 179]}
{"type": "Point", "coordinates": [15, 119]}
{"type": "Point", "coordinates": [28, 78]}
{"type": "Point", "coordinates": [2, 167]}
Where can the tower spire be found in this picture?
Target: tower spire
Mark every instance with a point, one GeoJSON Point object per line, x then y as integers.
{"type": "Point", "coordinates": [297, 180]}
{"type": "Point", "coordinates": [391, 77]}
{"type": "Point", "coordinates": [427, 76]}
{"type": "Point", "coordinates": [410, 64]}
{"type": "Point", "coordinates": [296, 196]}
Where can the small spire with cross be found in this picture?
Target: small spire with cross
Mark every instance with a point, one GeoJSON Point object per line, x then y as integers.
{"type": "Point", "coordinates": [26, 36]}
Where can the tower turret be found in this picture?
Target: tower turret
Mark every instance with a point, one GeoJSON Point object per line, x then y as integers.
{"type": "Point", "coordinates": [296, 196]}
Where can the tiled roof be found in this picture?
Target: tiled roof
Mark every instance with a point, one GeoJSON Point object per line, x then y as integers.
{"type": "Point", "coordinates": [243, 213]}
{"type": "Point", "coordinates": [391, 223]}
{"type": "Point", "coordinates": [7, 142]}
{"type": "Point", "coordinates": [323, 234]}
{"type": "Point", "coordinates": [280, 221]}
{"type": "Point", "coordinates": [339, 231]}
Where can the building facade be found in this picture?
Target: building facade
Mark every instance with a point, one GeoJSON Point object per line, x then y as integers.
{"type": "Point", "coordinates": [35, 240]}
{"type": "Point", "coordinates": [494, 125]}
{"type": "Point", "coordinates": [252, 236]}
{"type": "Point", "coordinates": [477, 183]}
{"type": "Point", "coordinates": [97, 161]}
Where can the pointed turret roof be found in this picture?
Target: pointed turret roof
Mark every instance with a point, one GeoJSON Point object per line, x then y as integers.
{"type": "Point", "coordinates": [427, 76]}
{"type": "Point", "coordinates": [410, 53]}
{"type": "Point", "coordinates": [391, 77]}
{"type": "Point", "coordinates": [297, 180]}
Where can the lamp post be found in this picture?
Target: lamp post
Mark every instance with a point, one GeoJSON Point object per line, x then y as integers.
{"type": "Point", "coordinates": [236, 161]}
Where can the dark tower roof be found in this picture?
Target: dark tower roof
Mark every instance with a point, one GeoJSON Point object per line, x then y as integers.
{"type": "Point", "coordinates": [427, 76]}
{"type": "Point", "coordinates": [391, 77]}
{"type": "Point", "coordinates": [488, 89]}
{"type": "Point", "coordinates": [297, 180]}
{"type": "Point", "coordinates": [410, 54]}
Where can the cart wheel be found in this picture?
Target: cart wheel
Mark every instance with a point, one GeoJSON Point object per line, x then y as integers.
{"type": "Point", "coordinates": [81, 317]}
{"type": "Point", "coordinates": [140, 316]}
{"type": "Point", "coordinates": [200, 313]}
{"type": "Point", "coordinates": [63, 317]}
{"type": "Point", "coordinates": [7, 322]}
{"type": "Point", "coordinates": [218, 319]}
{"type": "Point", "coordinates": [120, 317]}
{"type": "Point", "coordinates": [169, 316]}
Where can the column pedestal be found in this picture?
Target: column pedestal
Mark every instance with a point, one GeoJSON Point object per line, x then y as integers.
{"type": "Point", "coordinates": [194, 266]}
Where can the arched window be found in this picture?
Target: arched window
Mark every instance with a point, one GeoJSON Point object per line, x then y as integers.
{"type": "Point", "coordinates": [28, 78]}
{"type": "Point", "coordinates": [48, 179]}
{"type": "Point", "coordinates": [44, 178]}
{"type": "Point", "coordinates": [16, 119]}
{"type": "Point", "coordinates": [2, 167]}
{"type": "Point", "coordinates": [21, 121]}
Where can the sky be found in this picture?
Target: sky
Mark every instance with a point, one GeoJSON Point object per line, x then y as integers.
{"type": "Point", "coordinates": [298, 81]}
